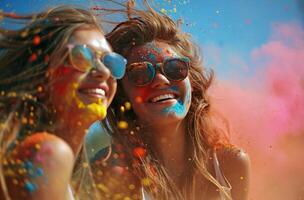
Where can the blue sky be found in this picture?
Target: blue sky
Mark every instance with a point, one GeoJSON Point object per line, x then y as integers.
{"type": "Point", "coordinates": [234, 27]}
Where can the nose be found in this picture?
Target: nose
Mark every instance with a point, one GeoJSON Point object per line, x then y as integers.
{"type": "Point", "coordinates": [100, 71]}
{"type": "Point", "coordinates": [160, 80]}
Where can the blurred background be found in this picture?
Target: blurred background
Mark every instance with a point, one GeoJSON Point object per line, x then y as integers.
{"type": "Point", "coordinates": [256, 48]}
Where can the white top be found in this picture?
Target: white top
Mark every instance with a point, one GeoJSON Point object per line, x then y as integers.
{"type": "Point", "coordinates": [145, 195]}
{"type": "Point", "coordinates": [70, 195]}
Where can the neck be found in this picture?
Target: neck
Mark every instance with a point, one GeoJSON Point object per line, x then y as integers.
{"type": "Point", "coordinates": [72, 130]}
{"type": "Point", "coordinates": [170, 144]}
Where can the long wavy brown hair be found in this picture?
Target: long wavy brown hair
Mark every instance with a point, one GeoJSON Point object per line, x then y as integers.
{"type": "Point", "coordinates": [203, 135]}
{"type": "Point", "coordinates": [25, 55]}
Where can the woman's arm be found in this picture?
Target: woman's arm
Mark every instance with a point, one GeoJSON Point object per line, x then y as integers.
{"type": "Point", "coordinates": [39, 168]}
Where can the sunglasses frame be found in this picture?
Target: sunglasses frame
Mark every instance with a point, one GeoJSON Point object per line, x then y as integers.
{"type": "Point", "coordinates": [160, 67]}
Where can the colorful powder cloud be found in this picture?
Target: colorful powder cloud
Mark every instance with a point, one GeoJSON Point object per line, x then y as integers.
{"type": "Point", "coordinates": [266, 113]}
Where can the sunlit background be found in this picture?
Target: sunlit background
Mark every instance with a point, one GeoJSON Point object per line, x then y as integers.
{"type": "Point", "coordinates": [256, 48]}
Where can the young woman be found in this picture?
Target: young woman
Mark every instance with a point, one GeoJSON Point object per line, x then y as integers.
{"type": "Point", "coordinates": [167, 146]}
{"type": "Point", "coordinates": [57, 76]}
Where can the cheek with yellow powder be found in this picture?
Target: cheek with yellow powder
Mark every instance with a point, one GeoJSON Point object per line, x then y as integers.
{"type": "Point", "coordinates": [64, 93]}
{"type": "Point", "coordinates": [98, 108]}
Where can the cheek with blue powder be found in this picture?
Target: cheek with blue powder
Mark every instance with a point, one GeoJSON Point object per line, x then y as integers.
{"type": "Point", "coordinates": [180, 108]}
{"type": "Point", "coordinates": [177, 109]}
{"type": "Point", "coordinates": [151, 57]}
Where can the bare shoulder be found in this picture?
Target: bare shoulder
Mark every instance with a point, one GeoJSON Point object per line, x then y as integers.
{"type": "Point", "coordinates": [232, 156]}
{"type": "Point", "coordinates": [235, 165]}
{"type": "Point", "coordinates": [51, 144]}
{"type": "Point", "coordinates": [39, 167]}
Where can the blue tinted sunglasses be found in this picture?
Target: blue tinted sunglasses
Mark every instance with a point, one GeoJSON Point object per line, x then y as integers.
{"type": "Point", "coordinates": [84, 58]}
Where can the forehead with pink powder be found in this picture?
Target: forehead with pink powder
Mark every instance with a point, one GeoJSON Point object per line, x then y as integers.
{"type": "Point", "coordinates": [154, 52]}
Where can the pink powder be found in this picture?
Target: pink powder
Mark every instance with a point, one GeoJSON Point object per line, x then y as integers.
{"type": "Point", "coordinates": [266, 113]}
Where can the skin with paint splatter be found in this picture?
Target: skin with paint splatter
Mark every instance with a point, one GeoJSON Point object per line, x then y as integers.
{"type": "Point", "coordinates": [77, 99]}
{"type": "Point", "coordinates": [180, 107]}
{"type": "Point", "coordinates": [177, 104]}
{"type": "Point", "coordinates": [97, 108]}
{"type": "Point", "coordinates": [76, 89]}
{"type": "Point", "coordinates": [25, 167]}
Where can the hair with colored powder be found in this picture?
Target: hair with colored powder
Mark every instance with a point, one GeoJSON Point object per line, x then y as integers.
{"type": "Point", "coordinates": [144, 26]}
{"type": "Point", "coordinates": [25, 55]}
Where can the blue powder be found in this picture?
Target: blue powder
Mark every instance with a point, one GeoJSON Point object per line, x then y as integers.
{"type": "Point", "coordinates": [28, 165]}
{"type": "Point", "coordinates": [39, 171]}
{"type": "Point", "coordinates": [177, 108]}
{"type": "Point", "coordinates": [174, 88]}
{"type": "Point", "coordinates": [151, 57]}
{"type": "Point", "coordinates": [30, 187]}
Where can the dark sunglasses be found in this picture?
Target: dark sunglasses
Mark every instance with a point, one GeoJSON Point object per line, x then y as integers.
{"type": "Point", "coordinates": [84, 59]}
{"type": "Point", "coordinates": [143, 73]}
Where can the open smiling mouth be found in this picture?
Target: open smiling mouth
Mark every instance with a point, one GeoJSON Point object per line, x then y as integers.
{"type": "Point", "coordinates": [163, 98]}
{"type": "Point", "coordinates": [92, 95]}
{"type": "Point", "coordinates": [93, 92]}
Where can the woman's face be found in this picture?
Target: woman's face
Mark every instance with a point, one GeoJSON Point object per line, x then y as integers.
{"type": "Point", "coordinates": [162, 101]}
{"type": "Point", "coordinates": [80, 93]}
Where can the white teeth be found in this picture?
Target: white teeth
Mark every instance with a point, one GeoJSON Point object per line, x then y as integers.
{"type": "Point", "coordinates": [162, 97]}
{"type": "Point", "coordinates": [97, 91]}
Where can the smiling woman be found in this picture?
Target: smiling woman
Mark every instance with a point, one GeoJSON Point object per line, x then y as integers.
{"type": "Point", "coordinates": [168, 101]}
{"type": "Point", "coordinates": [167, 146]}
{"type": "Point", "coordinates": [57, 77]}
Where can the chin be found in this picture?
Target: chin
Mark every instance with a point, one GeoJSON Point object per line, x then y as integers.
{"type": "Point", "coordinates": [163, 120]}
{"type": "Point", "coordinates": [100, 110]}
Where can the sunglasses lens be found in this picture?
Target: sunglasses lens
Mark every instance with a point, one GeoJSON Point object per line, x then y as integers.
{"type": "Point", "coordinates": [82, 58]}
{"type": "Point", "coordinates": [176, 69]}
{"type": "Point", "coordinates": [116, 64]}
{"type": "Point", "coordinates": [141, 73]}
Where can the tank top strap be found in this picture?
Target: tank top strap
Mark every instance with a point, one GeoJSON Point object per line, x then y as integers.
{"type": "Point", "coordinates": [220, 177]}
{"type": "Point", "coordinates": [145, 195]}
